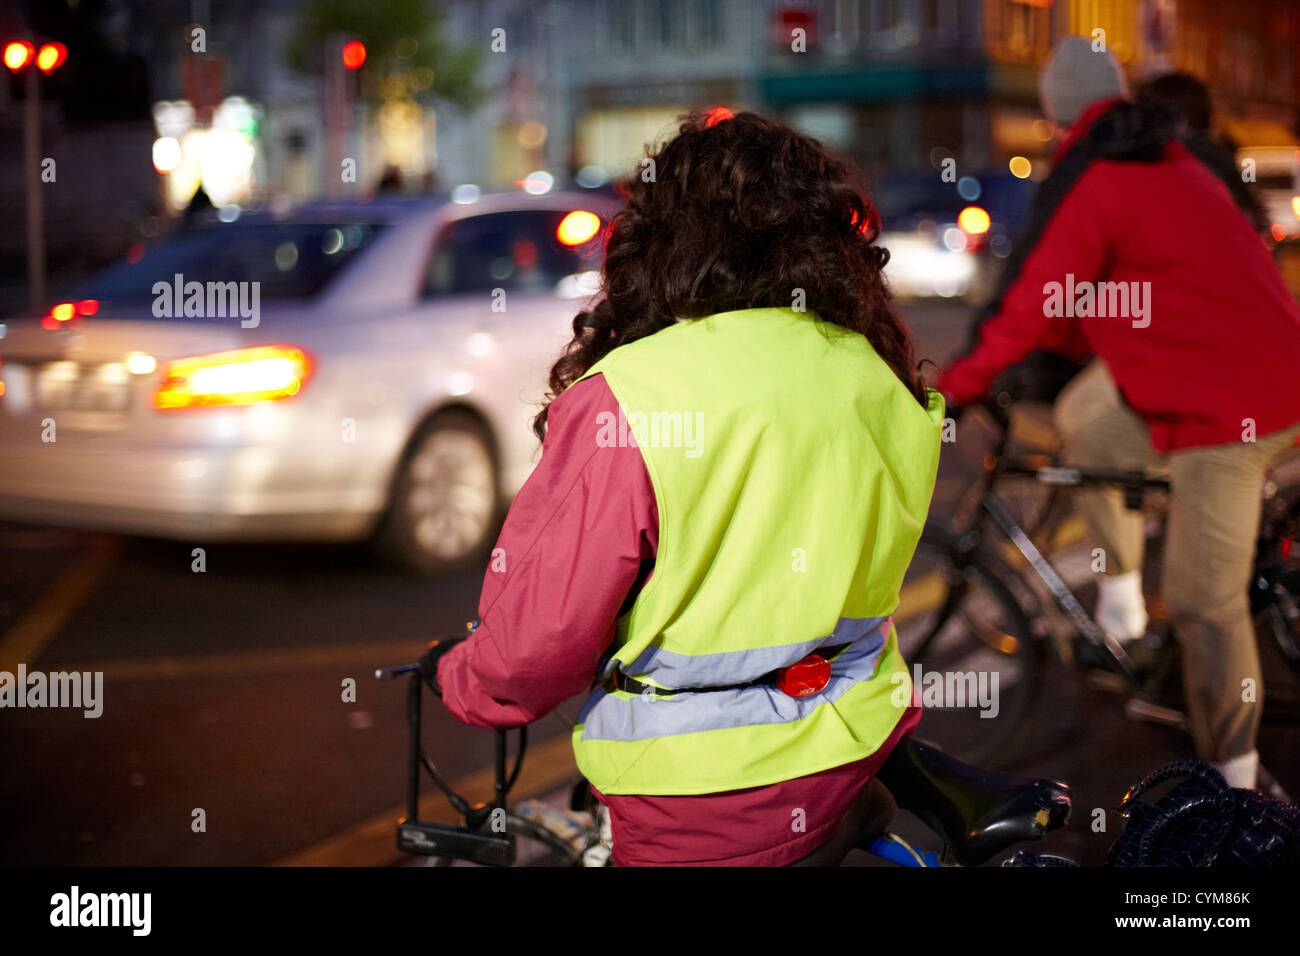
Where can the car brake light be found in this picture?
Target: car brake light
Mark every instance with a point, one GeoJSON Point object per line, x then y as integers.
{"type": "Point", "coordinates": [63, 311]}
{"type": "Point", "coordinates": [973, 220]}
{"type": "Point", "coordinates": [577, 227]}
{"type": "Point", "coordinates": [240, 377]}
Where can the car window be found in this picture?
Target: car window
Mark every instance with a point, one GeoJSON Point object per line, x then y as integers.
{"type": "Point", "coordinates": [512, 250]}
{"type": "Point", "coordinates": [288, 260]}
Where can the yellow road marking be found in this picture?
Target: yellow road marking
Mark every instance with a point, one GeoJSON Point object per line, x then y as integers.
{"type": "Point", "coordinates": [278, 660]}
{"type": "Point", "coordinates": [27, 639]}
{"type": "Point", "coordinates": [916, 597]}
{"type": "Point", "coordinates": [373, 843]}
{"type": "Point", "coordinates": [38, 626]}
{"type": "Point", "coordinates": [920, 596]}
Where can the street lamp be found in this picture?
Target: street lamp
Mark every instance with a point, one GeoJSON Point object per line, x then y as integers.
{"type": "Point", "coordinates": [19, 56]}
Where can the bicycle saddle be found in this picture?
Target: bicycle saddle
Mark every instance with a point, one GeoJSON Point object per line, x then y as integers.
{"type": "Point", "coordinates": [978, 813]}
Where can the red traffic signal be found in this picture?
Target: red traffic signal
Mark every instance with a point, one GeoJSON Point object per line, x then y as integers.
{"type": "Point", "coordinates": [50, 57]}
{"type": "Point", "coordinates": [18, 54]}
{"type": "Point", "coordinates": [354, 54]}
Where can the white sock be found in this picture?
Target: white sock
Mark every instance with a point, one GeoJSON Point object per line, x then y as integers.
{"type": "Point", "coordinates": [1240, 771]}
{"type": "Point", "coordinates": [1121, 608]}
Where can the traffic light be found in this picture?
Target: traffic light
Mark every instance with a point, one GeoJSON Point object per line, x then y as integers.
{"type": "Point", "coordinates": [18, 54]}
{"type": "Point", "coordinates": [354, 54]}
{"type": "Point", "coordinates": [50, 57]}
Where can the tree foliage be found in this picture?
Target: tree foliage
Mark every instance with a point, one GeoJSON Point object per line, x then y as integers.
{"type": "Point", "coordinates": [407, 51]}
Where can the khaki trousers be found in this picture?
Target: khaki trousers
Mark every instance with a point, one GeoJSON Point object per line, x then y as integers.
{"type": "Point", "coordinates": [1209, 548]}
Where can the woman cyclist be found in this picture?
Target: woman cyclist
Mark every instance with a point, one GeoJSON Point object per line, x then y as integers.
{"type": "Point", "coordinates": [737, 462]}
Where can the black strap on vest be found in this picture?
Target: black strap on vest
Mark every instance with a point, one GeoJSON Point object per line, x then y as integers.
{"type": "Point", "coordinates": [620, 681]}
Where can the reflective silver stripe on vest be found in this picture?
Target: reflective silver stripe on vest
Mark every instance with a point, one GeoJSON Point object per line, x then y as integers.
{"type": "Point", "coordinates": [607, 716]}
{"type": "Point", "coordinates": [671, 670]}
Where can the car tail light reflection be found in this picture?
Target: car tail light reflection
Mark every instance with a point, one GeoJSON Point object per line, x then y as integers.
{"type": "Point", "coordinates": [241, 377]}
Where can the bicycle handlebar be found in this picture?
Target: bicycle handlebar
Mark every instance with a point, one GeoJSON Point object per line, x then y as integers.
{"type": "Point", "coordinates": [419, 674]}
{"type": "Point", "coordinates": [1134, 483]}
{"type": "Point", "coordinates": [392, 673]}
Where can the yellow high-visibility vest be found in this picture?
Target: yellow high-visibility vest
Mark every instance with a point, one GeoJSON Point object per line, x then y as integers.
{"type": "Point", "coordinates": [792, 472]}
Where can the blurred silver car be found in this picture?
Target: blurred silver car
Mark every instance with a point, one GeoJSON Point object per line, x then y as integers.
{"type": "Point", "coordinates": [332, 372]}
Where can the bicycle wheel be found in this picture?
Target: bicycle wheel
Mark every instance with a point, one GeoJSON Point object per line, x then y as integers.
{"type": "Point", "coordinates": [976, 664]}
{"type": "Point", "coordinates": [1275, 594]}
{"type": "Point", "coordinates": [1275, 599]}
{"type": "Point", "coordinates": [555, 838]}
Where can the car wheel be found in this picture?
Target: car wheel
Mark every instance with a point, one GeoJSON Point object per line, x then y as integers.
{"type": "Point", "coordinates": [444, 508]}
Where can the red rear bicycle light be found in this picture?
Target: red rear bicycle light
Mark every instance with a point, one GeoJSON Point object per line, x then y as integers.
{"type": "Point", "coordinates": [1287, 542]}
{"type": "Point", "coordinates": [717, 115]}
{"type": "Point", "coordinates": [804, 678]}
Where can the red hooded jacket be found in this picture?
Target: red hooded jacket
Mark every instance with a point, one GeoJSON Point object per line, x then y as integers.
{"type": "Point", "coordinates": [1209, 343]}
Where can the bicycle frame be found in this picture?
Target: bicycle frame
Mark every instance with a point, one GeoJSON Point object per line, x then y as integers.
{"type": "Point", "coordinates": [894, 850]}
{"type": "Point", "coordinates": [1134, 484]}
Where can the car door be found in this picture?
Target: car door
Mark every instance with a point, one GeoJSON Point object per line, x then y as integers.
{"type": "Point", "coordinates": [511, 281]}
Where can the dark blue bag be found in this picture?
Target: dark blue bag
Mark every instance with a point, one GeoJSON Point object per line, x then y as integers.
{"type": "Point", "coordinates": [1202, 821]}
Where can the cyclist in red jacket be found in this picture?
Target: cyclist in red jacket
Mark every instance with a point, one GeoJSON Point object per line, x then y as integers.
{"type": "Point", "coordinates": [1140, 246]}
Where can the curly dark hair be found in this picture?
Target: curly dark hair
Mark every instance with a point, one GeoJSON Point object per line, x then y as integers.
{"type": "Point", "coordinates": [738, 212]}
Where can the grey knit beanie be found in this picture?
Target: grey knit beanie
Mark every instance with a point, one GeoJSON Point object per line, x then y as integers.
{"type": "Point", "coordinates": [1076, 77]}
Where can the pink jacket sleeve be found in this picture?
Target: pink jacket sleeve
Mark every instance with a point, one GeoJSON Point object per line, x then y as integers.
{"type": "Point", "coordinates": [576, 541]}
